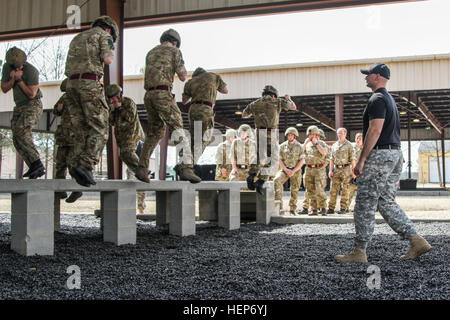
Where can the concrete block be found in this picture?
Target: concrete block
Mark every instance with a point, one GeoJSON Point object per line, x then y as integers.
{"type": "Point", "coordinates": [182, 212]}
{"type": "Point", "coordinates": [208, 202]}
{"type": "Point", "coordinates": [265, 203]}
{"type": "Point", "coordinates": [229, 213]}
{"type": "Point", "coordinates": [32, 222]}
{"type": "Point", "coordinates": [162, 208]}
{"type": "Point", "coordinates": [119, 216]}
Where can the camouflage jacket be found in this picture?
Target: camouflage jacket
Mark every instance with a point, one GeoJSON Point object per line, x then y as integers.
{"type": "Point", "coordinates": [356, 150]}
{"type": "Point", "coordinates": [203, 87]}
{"type": "Point", "coordinates": [87, 51]}
{"type": "Point", "coordinates": [161, 64]}
{"type": "Point", "coordinates": [313, 155]}
{"type": "Point", "coordinates": [223, 155]}
{"type": "Point", "coordinates": [291, 154]}
{"type": "Point", "coordinates": [342, 153]}
{"type": "Point", "coordinates": [64, 132]}
{"type": "Point", "coordinates": [127, 128]}
{"type": "Point", "coordinates": [243, 152]}
{"type": "Point", "coordinates": [266, 111]}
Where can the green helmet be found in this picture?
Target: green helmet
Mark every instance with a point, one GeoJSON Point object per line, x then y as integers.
{"type": "Point", "coordinates": [270, 90]}
{"type": "Point", "coordinates": [322, 134]}
{"type": "Point", "coordinates": [291, 130]}
{"type": "Point", "coordinates": [63, 85]}
{"type": "Point", "coordinates": [15, 57]}
{"type": "Point", "coordinates": [113, 90]}
{"type": "Point", "coordinates": [198, 71]}
{"type": "Point", "coordinates": [312, 130]}
{"type": "Point", "coordinates": [170, 35]}
{"type": "Point", "coordinates": [107, 22]}
{"type": "Point", "coordinates": [244, 128]}
{"type": "Point", "coordinates": [230, 133]}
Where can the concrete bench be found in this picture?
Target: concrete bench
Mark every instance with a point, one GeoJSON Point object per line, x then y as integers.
{"type": "Point", "coordinates": [36, 212]}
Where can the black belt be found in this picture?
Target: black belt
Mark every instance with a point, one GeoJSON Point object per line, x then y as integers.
{"type": "Point", "coordinates": [86, 76]}
{"type": "Point", "coordinates": [166, 88]}
{"type": "Point", "coordinates": [203, 102]}
{"type": "Point", "coordinates": [388, 146]}
{"type": "Point", "coordinates": [265, 128]}
{"type": "Point", "coordinates": [291, 168]}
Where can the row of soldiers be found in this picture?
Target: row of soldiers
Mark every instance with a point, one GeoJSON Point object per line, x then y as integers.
{"type": "Point", "coordinates": [314, 154]}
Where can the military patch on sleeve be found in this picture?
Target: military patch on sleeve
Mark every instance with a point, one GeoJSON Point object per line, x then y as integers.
{"type": "Point", "coordinates": [111, 43]}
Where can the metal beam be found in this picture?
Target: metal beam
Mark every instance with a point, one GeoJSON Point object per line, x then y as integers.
{"type": "Point", "coordinates": [314, 114]}
{"type": "Point", "coordinates": [339, 110]}
{"type": "Point", "coordinates": [415, 100]}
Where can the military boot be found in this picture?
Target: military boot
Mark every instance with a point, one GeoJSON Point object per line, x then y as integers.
{"type": "Point", "coordinates": [74, 196]}
{"type": "Point", "coordinates": [358, 255]}
{"type": "Point", "coordinates": [304, 211]}
{"type": "Point", "coordinates": [330, 211]}
{"type": "Point", "coordinates": [142, 174]}
{"type": "Point", "coordinates": [259, 185]}
{"type": "Point", "coordinates": [418, 247]}
{"type": "Point", "coordinates": [313, 213]}
{"type": "Point", "coordinates": [189, 175]}
{"type": "Point", "coordinates": [87, 173]}
{"type": "Point", "coordinates": [61, 195]}
{"type": "Point", "coordinates": [323, 211]}
{"type": "Point", "coordinates": [36, 170]}
{"type": "Point", "coordinates": [79, 178]}
{"type": "Point", "coordinates": [342, 211]}
{"type": "Point", "coordinates": [251, 181]}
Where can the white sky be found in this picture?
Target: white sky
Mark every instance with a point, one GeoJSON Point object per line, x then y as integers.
{"type": "Point", "coordinates": [404, 29]}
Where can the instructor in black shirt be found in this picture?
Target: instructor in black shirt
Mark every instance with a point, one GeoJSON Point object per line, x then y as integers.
{"type": "Point", "coordinates": [378, 172]}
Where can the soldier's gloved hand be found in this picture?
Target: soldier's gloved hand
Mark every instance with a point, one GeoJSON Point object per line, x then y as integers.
{"type": "Point", "coordinates": [258, 185]}
{"type": "Point", "coordinates": [251, 181]}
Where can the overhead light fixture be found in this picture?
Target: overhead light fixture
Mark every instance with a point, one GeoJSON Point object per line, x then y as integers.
{"type": "Point", "coordinates": [428, 128]}
{"type": "Point", "coordinates": [299, 124]}
{"type": "Point", "coordinates": [402, 112]}
{"type": "Point", "coordinates": [416, 120]}
{"type": "Point", "coordinates": [238, 111]}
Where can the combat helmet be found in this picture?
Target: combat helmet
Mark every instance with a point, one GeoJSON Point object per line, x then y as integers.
{"type": "Point", "coordinates": [270, 90]}
{"type": "Point", "coordinates": [322, 134]}
{"type": "Point", "coordinates": [244, 128]}
{"type": "Point", "coordinates": [230, 133]}
{"type": "Point", "coordinates": [107, 22]}
{"type": "Point", "coordinates": [291, 130]}
{"type": "Point", "coordinates": [63, 85]}
{"type": "Point", "coordinates": [198, 71]}
{"type": "Point", "coordinates": [113, 90]}
{"type": "Point", "coordinates": [171, 35]}
{"type": "Point", "coordinates": [312, 130]}
{"type": "Point", "coordinates": [15, 57]}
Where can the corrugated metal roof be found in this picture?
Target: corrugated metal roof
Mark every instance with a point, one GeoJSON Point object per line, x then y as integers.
{"type": "Point", "coordinates": [430, 146]}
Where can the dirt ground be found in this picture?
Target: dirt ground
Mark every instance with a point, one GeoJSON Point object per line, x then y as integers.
{"type": "Point", "coordinates": [415, 207]}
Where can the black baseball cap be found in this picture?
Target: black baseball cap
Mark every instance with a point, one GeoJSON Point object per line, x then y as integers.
{"type": "Point", "coordinates": [378, 68]}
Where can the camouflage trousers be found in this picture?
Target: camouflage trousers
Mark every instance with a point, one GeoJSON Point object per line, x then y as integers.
{"type": "Point", "coordinates": [62, 157]}
{"type": "Point", "coordinates": [351, 193]}
{"type": "Point", "coordinates": [24, 118]}
{"type": "Point", "coordinates": [341, 177]}
{"type": "Point", "coordinates": [140, 194]}
{"type": "Point", "coordinates": [280, 178]}
{"type": "Point", "coordinates": [89, 115]}
{"type": "Point", "coordinates": [205, 115]}
{"type": "Point", "coordinates": [162, 111]}
{"type": "Point", "coordinates": [267, 157]}
{"type": "Point", "coordinates": [240, 175]}
{"type": "Point", "coordinates": [306, 201]}
{"type": "Point", "coordinates": [219, 176]}
{"type": "Point", "coordinates": [128, 155]}
{"type": "Point", "coordinates": [377, 186]}
{"type": "Point", "coordinates": [314, 183]}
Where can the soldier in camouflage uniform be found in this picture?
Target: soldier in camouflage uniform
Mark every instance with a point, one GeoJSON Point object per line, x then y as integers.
{"type": "Point", "coordinates": [243, 153]}
{"type": "Point", "coordinates": [223, 157]}
{"type": "Point", "coordinates": [316, 152]}
{"type": "Point", "coordinates": [23, 78]}
{"type": "Point", "coordinates": [127, 131]}
{"type": "Point", "coordinates": [89, 51]}
{"type": "Point", "coordinates": [378, 172]}
{"type": "Point", "coordinates": [266, 112]}
{"type": "Point", "coordinates": [161, 64]}
{"type": "Point", "coordinates": [64, 139]}
{"type": "Point", "coordinates": [292, 157]}
{"type": "Point", "coordinates": [202, 89]}
{"type": "Point", "coordinates": [340, 173]}
{"type": "Point", "coordinates": [357, 148]}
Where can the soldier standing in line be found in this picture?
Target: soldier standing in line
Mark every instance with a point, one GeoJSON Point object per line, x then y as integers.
{"type": "Point", "coordinates": [243, 153]}
{"type": "Point", "coordinates": [161, 64]}
{"type": "Point", "coordinates": [292, 157]}
{"type": "Point", "coordinates": [266, 112]}
{"type": "Point", "coordinates": [127, 130]}
{"type": "Point", "coordinates": [64, 140]}
{"type": "Point", "coordinates": [23, 78]}
{"type": "Point", "coordinates": [89, 51]}
{"type": "Point", "coordinates": [315, 158]}
{"type": "Point", "coordinates": [223, 157]}
{"type": "Point", "coordinates": [202, 88]}
{"type": "Point", "coordinates": [340, 173]}
{"type": "Point", "coordinates": [357, 148]}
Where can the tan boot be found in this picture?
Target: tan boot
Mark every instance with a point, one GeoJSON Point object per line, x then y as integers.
{"type": "Point", "coordinates": [141, 210]}
{"type": "Point", "coordinates": [141, 174]}
{"type": "Point", "coordinates": [188, 174]}
{"type": "Point", "coordinates": [358, 255]}
{"type": "Point", "coordinates": [418, 247]}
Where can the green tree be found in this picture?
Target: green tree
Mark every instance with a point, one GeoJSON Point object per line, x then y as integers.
{"type": "Point", "coordinates": [46, 143]}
